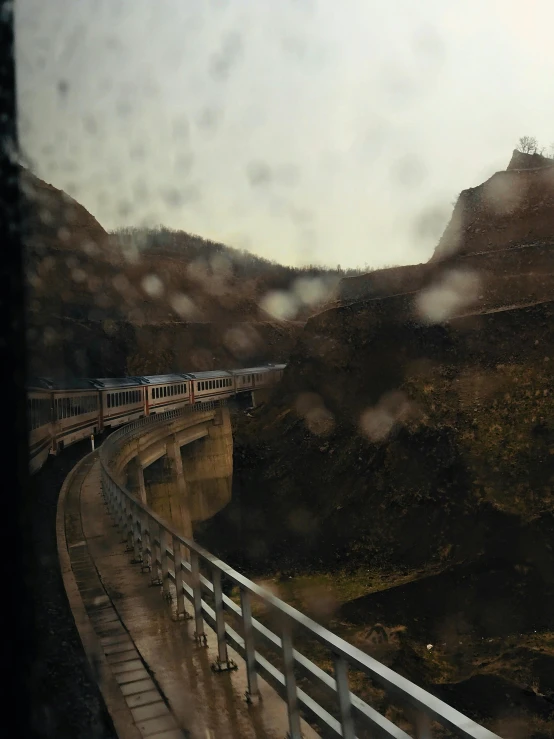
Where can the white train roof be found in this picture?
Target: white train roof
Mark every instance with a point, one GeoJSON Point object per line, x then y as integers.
{"type": "Point", "coordinates": [209, 374]}
{"type": "Point", "coordinates": [164, 379]}
{"type": "Point", "coordinates": [115, 382]}
{"type": "Point", "coordinates": [251, 370]}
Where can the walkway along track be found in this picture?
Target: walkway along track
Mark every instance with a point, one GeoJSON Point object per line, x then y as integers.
{"type": "Point", "coordinates": [183, 571]}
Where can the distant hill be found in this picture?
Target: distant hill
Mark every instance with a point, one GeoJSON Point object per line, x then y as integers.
{"type": "Point", "coordinates": [152, 300]}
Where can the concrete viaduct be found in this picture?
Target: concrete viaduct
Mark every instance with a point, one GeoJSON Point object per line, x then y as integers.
{"type": "Point", "coordinates": [200, 663]}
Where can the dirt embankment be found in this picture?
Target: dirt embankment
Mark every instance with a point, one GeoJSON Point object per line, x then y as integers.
{"type": "Point", "coordinates": [424, 456]}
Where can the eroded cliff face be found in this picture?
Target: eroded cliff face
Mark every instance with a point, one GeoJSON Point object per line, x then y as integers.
{"type": "Point", "coordinates": [500, 240]}
{"type": "Point", "coordinates": [511, 208]}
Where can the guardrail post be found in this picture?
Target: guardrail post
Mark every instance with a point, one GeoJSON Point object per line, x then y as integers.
{"type": "Point", "coordinates": [222, 663]}
{"type": "Point", "coordinates": [156, 556]}
{"type": "Point", "coordinates": [251, 674]}
{"type": "Point", "coordinates": [137, 535]}
{"type": "Point", "coordinates": [199, 634]}
{"type": "Point", "coordinates": [146, 545]}
{"type": "Point", "coordinates": [129, 526]}
{"type": "Point", "coordinates": [164, 541]}
{"type": "Point", "coordinates": [178, 559]}
{"type": "Point", "coordinates": [343, 692]}
{"type": "Point", "coordinates": [290, 682]}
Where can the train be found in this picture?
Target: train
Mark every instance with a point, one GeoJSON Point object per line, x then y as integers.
{"type": "Point", "coordinates": [61, 414]}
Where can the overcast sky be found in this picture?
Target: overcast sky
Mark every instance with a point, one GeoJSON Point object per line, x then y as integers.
{"type": "Point", "coordinates": [302, 130]}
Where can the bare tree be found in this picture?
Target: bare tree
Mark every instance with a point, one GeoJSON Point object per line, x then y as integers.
{"type": "Point", "coordinates": [528, 144]}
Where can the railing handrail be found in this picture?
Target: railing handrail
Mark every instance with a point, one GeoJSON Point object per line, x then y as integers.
{"type": "Point", "coordinates": [394, 683]}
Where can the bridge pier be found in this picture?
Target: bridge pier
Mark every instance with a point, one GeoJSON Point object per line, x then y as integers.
{"type": "Point", "coordinates": [135, 480]}
{"type": "Point", "coordinates": [167, 493]}
{"type": "Point", "coordinates": [182, 487]}
{"type": "Point", "coordinates": [260, 395]}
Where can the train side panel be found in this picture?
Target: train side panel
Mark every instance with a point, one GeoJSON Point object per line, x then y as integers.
{"type": "Point", "coordinates": [168, 396]}
{"type": "Point", "coordinates": [39, 410]}
{"type": "Point", "coordinates": [120, 406]}
{"type": "Point", "coordinates": [75, 416]}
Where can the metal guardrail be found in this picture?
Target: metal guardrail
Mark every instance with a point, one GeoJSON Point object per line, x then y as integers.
{"type": "Point", "coordinates": [176, 561]}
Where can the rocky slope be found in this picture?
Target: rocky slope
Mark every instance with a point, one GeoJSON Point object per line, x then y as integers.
{"type": "Point", "coordinates": [498, 244]}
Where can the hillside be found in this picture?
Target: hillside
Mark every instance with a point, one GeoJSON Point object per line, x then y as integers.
{"type": "Point", "coordinates": [499, 239]}
{"type": "Point", "coordinates": [152, 300]}
{"type": "Point", "coordinates": [407, 463]}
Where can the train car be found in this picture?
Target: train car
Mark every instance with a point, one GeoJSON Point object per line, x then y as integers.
{"type": "Point", "coordinates": [121, 400]}
{"type": "Point", "coordinates": [251, 378]}
{"type": "Point", "coordinates": [211, 385]}
{"type": "Point", "coordinates": [242, 379]}
{"type": "Point", "coordinates": [166, 392]}
{"type": "Point", "coordinates": [39, 414]}
{"type": "Point", "coordinates": [75, 412]}
{"type": "Point", "coordinates": [278, 370]}
{"type": "Point", "coordinates": [62, 413]}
